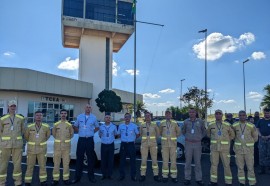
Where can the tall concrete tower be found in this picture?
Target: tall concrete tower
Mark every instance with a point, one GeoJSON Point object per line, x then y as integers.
{"type": "Point", "coordinates": [98, 28]}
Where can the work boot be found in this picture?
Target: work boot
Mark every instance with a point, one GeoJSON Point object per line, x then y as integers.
{"type": "Point", "coordinates": [241, 184]}
{"type": "Point", "coordinates": [164, 180]}
{"type": "Point", "coordinates": [200, 182]}
{"type": "Point", "coordinates": [156, 178]}
{"type": "Point", "coordinates": [174, 180]}
{"type": "Point", "coordinates": [27, 184]}
{"type": "Point", "coordinates": [228, 184]}
{"type": "Point", "coordinates": [54, 183]}
{"type": "Point", "coordinates": [67, 182]}
{"type": "Point", "coordinates": [212, 184]}
{"type": "Point", "coordinates": [142, 178]}
{"type": "Point", "coordinates": [44, 183]}
{"type": "Point", "coordinates": [187, 182]}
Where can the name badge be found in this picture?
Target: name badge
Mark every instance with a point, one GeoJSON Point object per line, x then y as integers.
{"type": "Point", "coordinates": [168, 132]}
{"type": "Point", "coordinates": [84, 127]}
{"type": "Point", "coordinates": [126, 134]}
{"type": "Point", "coordinates": [147, 133]}
{"type": "Point", "coordinates": [37, 135]}
{"type": "Point", "coordinates": [107, 135]}
{"type": "Point", "coordinates": [192, 131]}
{"type": "Point", "coordinates": [12, 127]}
{"type": "Point", "coordinates": [219, 133]}
{"type": "Point", "coordinates": [242, 136]}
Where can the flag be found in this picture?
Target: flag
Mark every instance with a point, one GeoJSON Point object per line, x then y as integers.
{"type": "Point", "coordinates": [134, 7]}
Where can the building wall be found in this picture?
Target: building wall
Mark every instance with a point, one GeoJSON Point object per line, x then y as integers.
{"type": "Point", "coordinates": [23, 98]}
{"type": "Point", "coordinates": [92, 66]}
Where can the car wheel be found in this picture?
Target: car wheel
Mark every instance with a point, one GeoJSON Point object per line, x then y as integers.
{"type": "Point", "coordinates": [180, 151]}
{"type": "Point", "coordinates": [205, 145]}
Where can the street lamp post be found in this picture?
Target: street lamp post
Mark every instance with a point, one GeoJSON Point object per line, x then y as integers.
{"type": "Point", "coordinates": [244, 82]}
{"type": "Point", "coordinates": [205, 68]}
{"type": "Point", "coordinates": [181, 93]}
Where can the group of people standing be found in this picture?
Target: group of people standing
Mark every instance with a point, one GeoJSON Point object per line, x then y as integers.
{"type": "Point", "coordinates": [221, 133]}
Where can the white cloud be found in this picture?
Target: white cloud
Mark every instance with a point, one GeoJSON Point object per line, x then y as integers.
{"type": "Point", "coordinates": [218, 45]}
{"type": "Point", "coordinates": [209, 90]}
{"type": "Point", "coordinates": [167, 91]}
{"type": "Point", "coordinates": [8, 53]}
{"type": "Point", "coordinates": [258, 55]}
{"type": "Point", "coordinates": [131, 72]}
{"type": "Point", "coordinates": [226, 101]}
{"type": "Point", "coordinates": [151, 96]}
{"type": "Point", "coordinates": [160, 104]}
{"type": "Point", "coordinates": [69, 64]}
{"type": "Point", "coordinates": [115, 68]}
{"type": "Point", "coordinates": [254, 95]}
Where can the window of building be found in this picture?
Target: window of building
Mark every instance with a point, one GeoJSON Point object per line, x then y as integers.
{"type": "Point", "coordinates": [50, 111]}
{"type": "Point", "coordinates": [73, 8]}
{"type": "Point", "coordinates": [101, 10]}
{"type": "Point", "coordinates": [124, 13]}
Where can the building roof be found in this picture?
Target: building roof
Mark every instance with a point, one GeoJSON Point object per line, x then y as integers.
{"type": "Point", "coordinates": [18, 79]}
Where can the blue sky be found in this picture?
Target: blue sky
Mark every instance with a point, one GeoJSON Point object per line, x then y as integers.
{"type": "Point", "coordinates": [30, 37]}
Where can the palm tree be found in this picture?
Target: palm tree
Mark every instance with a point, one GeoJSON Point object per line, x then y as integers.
{"type": "Point", "coordinates": [266, 99]}
{"type": "Point", "coordinates": [140, 107]}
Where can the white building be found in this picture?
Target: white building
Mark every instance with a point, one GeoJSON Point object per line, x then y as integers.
{"type": "Point", "coordinates": [49, 93]}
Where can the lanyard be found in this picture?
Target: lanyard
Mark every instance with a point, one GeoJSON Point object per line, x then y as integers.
{"type": "Point", "coordinates": [85, 121]}
{"type": "Point", "coordinates": [219, 128]}
{"type": "Point", "coordinates": [38, 128]}
{"type": "Point", "coordinates": [168, 126]}
{"type": "Point", "coordinates": [243, 130]}
{"type": "Point", "coordinates": [12, 120]}
{"type": "Point", "coordinates": [108, 128]}
{"type": "Point", "coordinates": [193, 123]}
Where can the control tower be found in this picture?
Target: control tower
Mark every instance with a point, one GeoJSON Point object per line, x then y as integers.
{"type": "Point", "coordinates": [98, 28]}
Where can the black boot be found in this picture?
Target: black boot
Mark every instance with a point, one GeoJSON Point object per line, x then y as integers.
{"type": "Point", "coordinates": [157, 178]}
{"type": "Point", "coordinates": [142, 179]}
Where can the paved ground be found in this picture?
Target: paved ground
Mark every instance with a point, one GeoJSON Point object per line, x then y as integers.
{"type": "Point", "coordinates": [263, 180]}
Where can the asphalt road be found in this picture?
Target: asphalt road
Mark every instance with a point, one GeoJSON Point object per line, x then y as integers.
{"type": "Point", "coordinates": [262, 180]}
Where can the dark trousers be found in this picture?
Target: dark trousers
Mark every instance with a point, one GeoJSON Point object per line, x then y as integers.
{"type": "Point", "coordinates": [256, 154]}
{"type": "Point", "coordinates": [128, 149]}
{"type": "Point", "coordinates": [264, 152]}
{"type": "Point", "coordinates": [85, 146]}
{"type": "Point", "coordinates": [107, 158]}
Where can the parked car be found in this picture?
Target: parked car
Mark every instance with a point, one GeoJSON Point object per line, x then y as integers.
{"type": "Point", "coordinates": [74, 141]}
{"type": "Point", "coordinates": [180, 151]}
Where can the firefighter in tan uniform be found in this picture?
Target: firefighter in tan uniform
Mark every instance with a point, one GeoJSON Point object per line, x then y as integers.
{"type": "Point", "coordinates": [220, 134]}
{"type": "Point", "coordinates": [246, 136]}
{"type": "Point", "coordinates": [194, 131]}
{"type": "Point", "coordinates": [149, 132]}
{"type": "Point", "coordinates": [62, 132]}
{"type": "Point", "coordinates": [36, 135]}
{"type": "Point", "coordinates": [11, 131]}
{"type": "Point", "coordinates": [169, 131]}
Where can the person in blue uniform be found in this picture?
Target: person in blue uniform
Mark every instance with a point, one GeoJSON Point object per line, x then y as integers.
{"type": "Point", "coordinates": [107, 133]}
{"type": "Point", "coordinates": [86, 126]}
{"type": "Point", "coordinates": [128, 133]}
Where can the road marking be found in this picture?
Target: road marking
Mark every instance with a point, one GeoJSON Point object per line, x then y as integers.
{"type": "Point", "coordinates": [49, 167]}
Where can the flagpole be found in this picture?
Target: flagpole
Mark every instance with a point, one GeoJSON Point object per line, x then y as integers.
{"type": "Point", "coordinates": [135, 54]}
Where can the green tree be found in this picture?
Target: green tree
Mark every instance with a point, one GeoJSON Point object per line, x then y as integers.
{"type": "Point", "coordinates": [108, 101]}
{"type": "Point", "coordinates": [266, 99]}
{"type": "Point", "coordinates": [140, 107]}
{"type": "Point", "coordinates": [196, 98]}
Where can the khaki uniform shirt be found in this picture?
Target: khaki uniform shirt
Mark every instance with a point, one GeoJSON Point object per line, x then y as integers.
{"type": "Point", "coordinates": [149, 133]}
{"type": "Point", "coordinates": [220, 136]}
{"type": "Point", "coordinates": [62, 132]}
{"type": "Point", "coordinates": [194, 131]}
{"type": "Point", "coordinates": [246, 136]}
{"type": "Point", "coordinates": [37, 138]}
{"type": "Point", "coordinates": [169, 131]}
{"type": "Point", "coordinates": [11, 131]}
